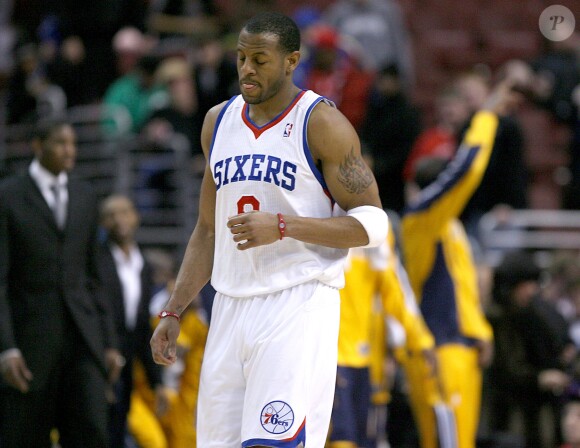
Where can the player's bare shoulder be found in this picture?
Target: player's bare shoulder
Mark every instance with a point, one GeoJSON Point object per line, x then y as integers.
{"type": "Point", "coordinates": [335, 145]}
{"type": "Point", "coordinates": [329, 132]}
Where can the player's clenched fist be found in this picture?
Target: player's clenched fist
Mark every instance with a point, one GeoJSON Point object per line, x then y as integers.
{"type": "Point", "coordinates": [164, 341]}
{"type": "Point", "coordinates": [254, 229]}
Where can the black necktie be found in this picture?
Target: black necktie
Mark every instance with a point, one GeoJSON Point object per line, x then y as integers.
{"type": "Point", "coordinates": [59, 208]}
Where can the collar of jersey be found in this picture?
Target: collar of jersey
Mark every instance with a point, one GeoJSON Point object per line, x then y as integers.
{"type": "Point", "coordinates": [259, 130]}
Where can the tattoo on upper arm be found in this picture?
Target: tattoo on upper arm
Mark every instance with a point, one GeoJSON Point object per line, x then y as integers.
{"type": "Point", "coordinates": [354, 174]}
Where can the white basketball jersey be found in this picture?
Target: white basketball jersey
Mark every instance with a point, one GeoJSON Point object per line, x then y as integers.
{"type": "Point", "coordinates": [269, 168]}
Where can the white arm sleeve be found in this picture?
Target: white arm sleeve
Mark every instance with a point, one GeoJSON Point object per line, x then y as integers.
{"type": "Point", "coordinates": [375, 222]}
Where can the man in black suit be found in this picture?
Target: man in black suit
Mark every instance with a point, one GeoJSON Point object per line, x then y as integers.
{"type": "Point", "coordinates": [54, 329]}
{"type": "Point", "coordinates": [127, 280]}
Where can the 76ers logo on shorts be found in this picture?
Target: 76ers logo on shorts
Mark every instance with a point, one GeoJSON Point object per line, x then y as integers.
{"type": "Point", "coordinates": [277, 417]}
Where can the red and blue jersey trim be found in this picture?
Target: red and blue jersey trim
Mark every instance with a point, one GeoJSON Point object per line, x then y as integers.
{"type": "Point", "coordinates": [259, 130]}
{"type": "Point", "coordinates": [292, 442]}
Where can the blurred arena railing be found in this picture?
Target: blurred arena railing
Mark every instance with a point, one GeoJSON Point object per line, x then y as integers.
{"type": "Point", "coordinates": [159, 178]}
{"type": "Point", "coordinates": [502, 230]}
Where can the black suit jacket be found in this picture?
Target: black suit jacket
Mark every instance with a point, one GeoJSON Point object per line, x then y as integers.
{"type": "Point", "coordinates": [132, 343]}
{"type": "Point", "coordinates": [47, 274]}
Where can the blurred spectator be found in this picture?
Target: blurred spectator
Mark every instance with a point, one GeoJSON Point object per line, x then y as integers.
{"type": "Point", "coordinates": [129, 45]}
{"type": "Point", "coordinates": [128, 285]}
{"type": "Point", "coordinates": [391, 126]}
{"type": "Point", "coordinates": [216, 76]}
{"type": "Point", "coordinates": [31, 95]}
{"type": "Point", "coordinates": [336, 75]}
{"type": "Point", "coordinates": [95, 23]}
{"type": "Point", "coordinates": [529, 370]}
{"type": "Point", "coordinates": [379, 27]}
{"type": "Point", "coordinates": [171, 138]}
{"type": "Point", "coordinates": [328, 63]}
{"type": "Point", "coordinates": [440, 140]}
{"type": "Point", "coordinates": [181, 115]}
{"type": "Point", "coordinates": [505, 180]}
{"type": "Point", "coordinates": [68, 70]}
{"type": "Point", "coordinates": [51, 99]}
{"type": "Point", "coordinates": [171, 133]}
{"type": "Point", "coordinates": [557, 71]}
{"type": "Point", "coordinates": [49, 38]}
{"type": "Point", "coordinates": [136, 95]}
{"type": "Point", "coordinates": [56, 336]}
{"type": "Point", "coordinates": [308, 19]}
{"type": "Point", "coordinates": [20, 102]}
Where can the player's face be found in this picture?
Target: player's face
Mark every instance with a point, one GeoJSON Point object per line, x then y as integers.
{"type": "Point", "coordinates": [58, 152]}
{"type": "Point", "coordinates": [262, 67]}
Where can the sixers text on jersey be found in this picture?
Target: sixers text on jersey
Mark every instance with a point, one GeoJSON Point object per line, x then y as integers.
{"type": "Point", "coordinates": [255, 167]}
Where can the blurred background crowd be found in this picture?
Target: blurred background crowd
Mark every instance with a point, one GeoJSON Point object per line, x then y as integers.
{"type": "Point", "coordinates": [136, 77]}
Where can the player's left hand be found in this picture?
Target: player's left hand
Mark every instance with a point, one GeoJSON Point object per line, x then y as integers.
{"type": "Point", "coordinates": [164, 341]}
{"type": "Point", "coordinates": [254, 229]}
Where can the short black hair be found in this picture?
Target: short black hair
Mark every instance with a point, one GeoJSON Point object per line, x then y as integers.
{"type": "Point", "coordinates": [46, 126]}
{"type": "Point", "coordinates": [390, 69]}
{"type": "Point", "coordinates": [517, 266]}
{"type": "Point", "coordinates": [278, 24]}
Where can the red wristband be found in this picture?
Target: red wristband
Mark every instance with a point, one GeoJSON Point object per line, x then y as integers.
{"type": "Point", "coordinates": [164, 313]}
{"type": "Point", "coordinates": [281, 225]}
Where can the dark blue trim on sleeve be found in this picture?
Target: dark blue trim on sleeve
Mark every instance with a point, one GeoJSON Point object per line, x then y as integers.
{"type": "Point", "coordinates": [446, 180]}
{"type": "Point", "coordinates": [218, 121]}
{"type": "Point", "coordinates": [306, 149]}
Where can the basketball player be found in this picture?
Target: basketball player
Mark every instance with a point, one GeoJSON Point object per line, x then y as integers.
{"type": "Point", "coordinates": [280, 161]}
{"type": "Point", "coordinates": [442, 271]}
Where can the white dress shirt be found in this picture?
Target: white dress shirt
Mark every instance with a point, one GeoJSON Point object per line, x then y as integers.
{"type": "Point", "coordinates": [129, 270]}
{"type": "Point", "coordinates": [45, 180]}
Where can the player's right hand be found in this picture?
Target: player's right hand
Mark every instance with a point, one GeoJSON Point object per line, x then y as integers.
{"type": "Point", "coordinates": [253, 229]}
{"type": "Point", "coordinates": [164, 341]}
{"type": "Point", "coordinates": [504, 98]}
{"type": "Point", "coordinates": [16, 373]}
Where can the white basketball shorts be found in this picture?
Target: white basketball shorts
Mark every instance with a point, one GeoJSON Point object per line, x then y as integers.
{"type": "Point", "coordinates": [269, 369]}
